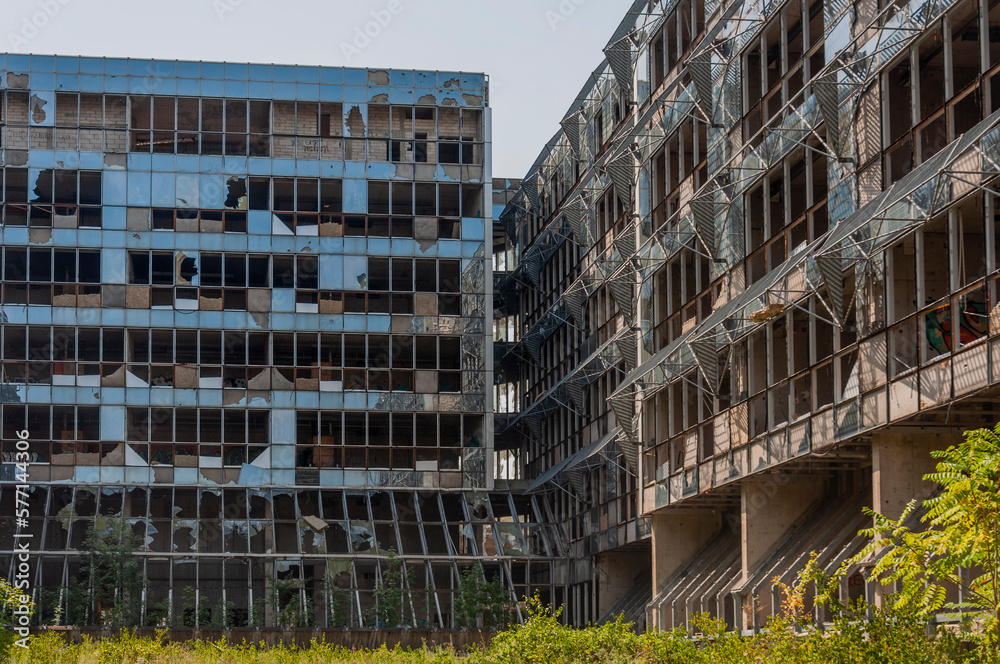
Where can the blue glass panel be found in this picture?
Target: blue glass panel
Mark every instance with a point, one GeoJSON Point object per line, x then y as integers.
{"type": "Point", "coordinates": [212, 88]}
{"type": "Point", "coordinates": [402, 77]}
{"type": "Point", "coordinates": [42, 82]}
{"type": "Point", "coordinates": [115, 66]}
{"type": "Point", "coordinates": [210, 241]}
{"type": "Point", "coordinates": [237, 72]}
{"type": "Point", "coordinates": [162, 194]}
{"type": "Point", "coordinates": [67, 65]}
{"type": "Point", "coordinates": [331, 272]}
{"type": "Point", "coordinates": [209, 397]}
{"type": "Point", "coordinates": [140, 67]}
{"type": "Point", "coordinates": [283, 166]}
{"type": "Point", "coordinates": [41, 159]}
{"type": "Point", "coordinates": [139, 162]}
{"type": "Point", "coordinates": [67, 82]}
{"type": "Point", "coordinates": [284, 73]}
{"type": "Point", "coordinates": [140, 85]}
{"type": "Point", "coordinates": [43, 63]}
{"type": "Point", "coordinates": [307, 91]}
{"type": "Point", "coordinates": [237, 89]}
{"type": "Point", "coordinates": [356, 76]}
{"type": "Point", "coordinates": [380, 170]}
{"type": "Point", "coordinates": [113, 262]}
{"type": "Point", "coordinates": [234, 165]}
{"type": "Point", "coordinates": [447, 79]}
{"type": "Point", "coordinates": [355, 196]}
{"type": "Point", "coordinates": [331, 75]}
{"type": "Point", "coordinates": [40, 315]}
{"type": "Point", "coordinates": [211, 164]}
{"type": "Point", "coordinates": [473, 82]}
{"type": "Point", "coordinates": [259, 90]}
{"type": "Point", "coordinates": [282, 300]}
{"type": "Point", "coordinates": [93, 160]}
{"type": "Point", "coordinates": [473, 229]}
{"type": "Point", "coordinates": [284, 90]}
{"type": "Point", "coordinates": [92, 65]}
{"type": "Point", "coordinates": [331, 92]}
{"type": "Point", "coordinates": [18, 63]}
{"type": "Point", "coordinates": [189, 69]}
{"type": "Point", "coordinates": [355, 169]}
{"type": "Point", "coordinates": [188, 192]}
{"type": "Point", "coordinates": [189, 87]}
{"type": "Point", "coordinates": [258, 166]}
{"type": "Point", "coordinates": [187, 163]}
{"type": "Point", "coordinates": [91, 84]}
{"type": "Point", "coordinates": [163, 162]}
{"type": "Point", "coordinates": [307, 167]}
{"type": "Point", "coordinates": [113, 188]}
{"type": "Point", "coordinates": [116, 84]}
{"type": "Point", "coordinates": [449, 248]}
{"type": "Point", "coordinates": [401, 96]}
{"type": "Point", "coordinates": [260, 72]}
{"type": "Point", "coordinates": [307, 74]}
{"type": "Point", "coordinates": [355, 93]}
{"type": "Point", "coordinates": [138, 189]}
{"type": "Point", "coordinates": [212, 70]}
{"type": "Point", "coordinates": [378, 323]}
{"type": "Point", "coordinates": [163, 85]}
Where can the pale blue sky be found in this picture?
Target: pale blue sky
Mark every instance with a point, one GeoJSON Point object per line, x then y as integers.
{"type": "Point", "coordinates": [538, 53]}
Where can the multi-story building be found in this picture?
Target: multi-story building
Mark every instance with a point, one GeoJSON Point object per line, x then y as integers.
{"type": "Point", "coordinates": [757, 285]}
{"type": "Point", "coordinates": [247, 309]}
{"type": "Point", "coordinates": [741, 294]}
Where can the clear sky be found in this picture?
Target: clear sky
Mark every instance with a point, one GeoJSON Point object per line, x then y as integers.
{"type": "Point", "coordinates": [537, 53]}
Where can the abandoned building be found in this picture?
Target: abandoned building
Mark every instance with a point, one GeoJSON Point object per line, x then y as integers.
{"type": "Point", "coordinates": [247, 308]}
{"type": "Point", "coordinates": [746, 288]}
{"type": "Point", "coordinates": [743, 291]}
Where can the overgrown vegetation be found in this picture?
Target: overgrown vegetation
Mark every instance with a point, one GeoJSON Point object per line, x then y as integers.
{"type": "Point", "coordinates": [482, 604]}
{"type": "Point", "coordinates": [888, 637]}
{"type": "Point", "coordinates": [392, 593]}
{"type": "Point", "coordinates": [956, 555]}
{"type": "Point", "coordinates": [108, 591]}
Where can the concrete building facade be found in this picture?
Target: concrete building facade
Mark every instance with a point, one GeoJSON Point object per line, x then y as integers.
{"type": "Point", "coordinates": [756, 286]}
{"type": "Point", "coordinates": [247, 309]}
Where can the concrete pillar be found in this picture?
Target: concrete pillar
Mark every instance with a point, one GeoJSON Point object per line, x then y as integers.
{"type": "Point", "coordinates": [677, 537]}
{"type": "Point", "coordinates": [769, 507]}
{"type": "Point", "coordinates": [899, 462]}
{"type": "Point", "coordinates": [617, 573]}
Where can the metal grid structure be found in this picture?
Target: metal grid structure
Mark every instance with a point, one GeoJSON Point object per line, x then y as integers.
{"type": "Point", "coordinates": [775, 226]}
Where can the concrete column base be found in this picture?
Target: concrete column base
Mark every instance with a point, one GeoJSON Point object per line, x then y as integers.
{"type": "Point", "coordinates": [677, 538]}
{"type": "Point", "coordinates": [770, 507]}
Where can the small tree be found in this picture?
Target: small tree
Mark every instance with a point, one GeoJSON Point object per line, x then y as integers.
{"type": "Point", "coordinates": [391, 595]}
{"type": "Point", "coordinates": [479, 603]}
{"type": "Point", "coordinates": [338, 603]}
{"type": "Point", "coordinates": [111, 576]}
{"type": "Point", "coordinates": [963, 532]}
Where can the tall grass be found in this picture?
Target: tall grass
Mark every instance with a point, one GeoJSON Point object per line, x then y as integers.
{"type": "Point", "coordinates": [888, 638]}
